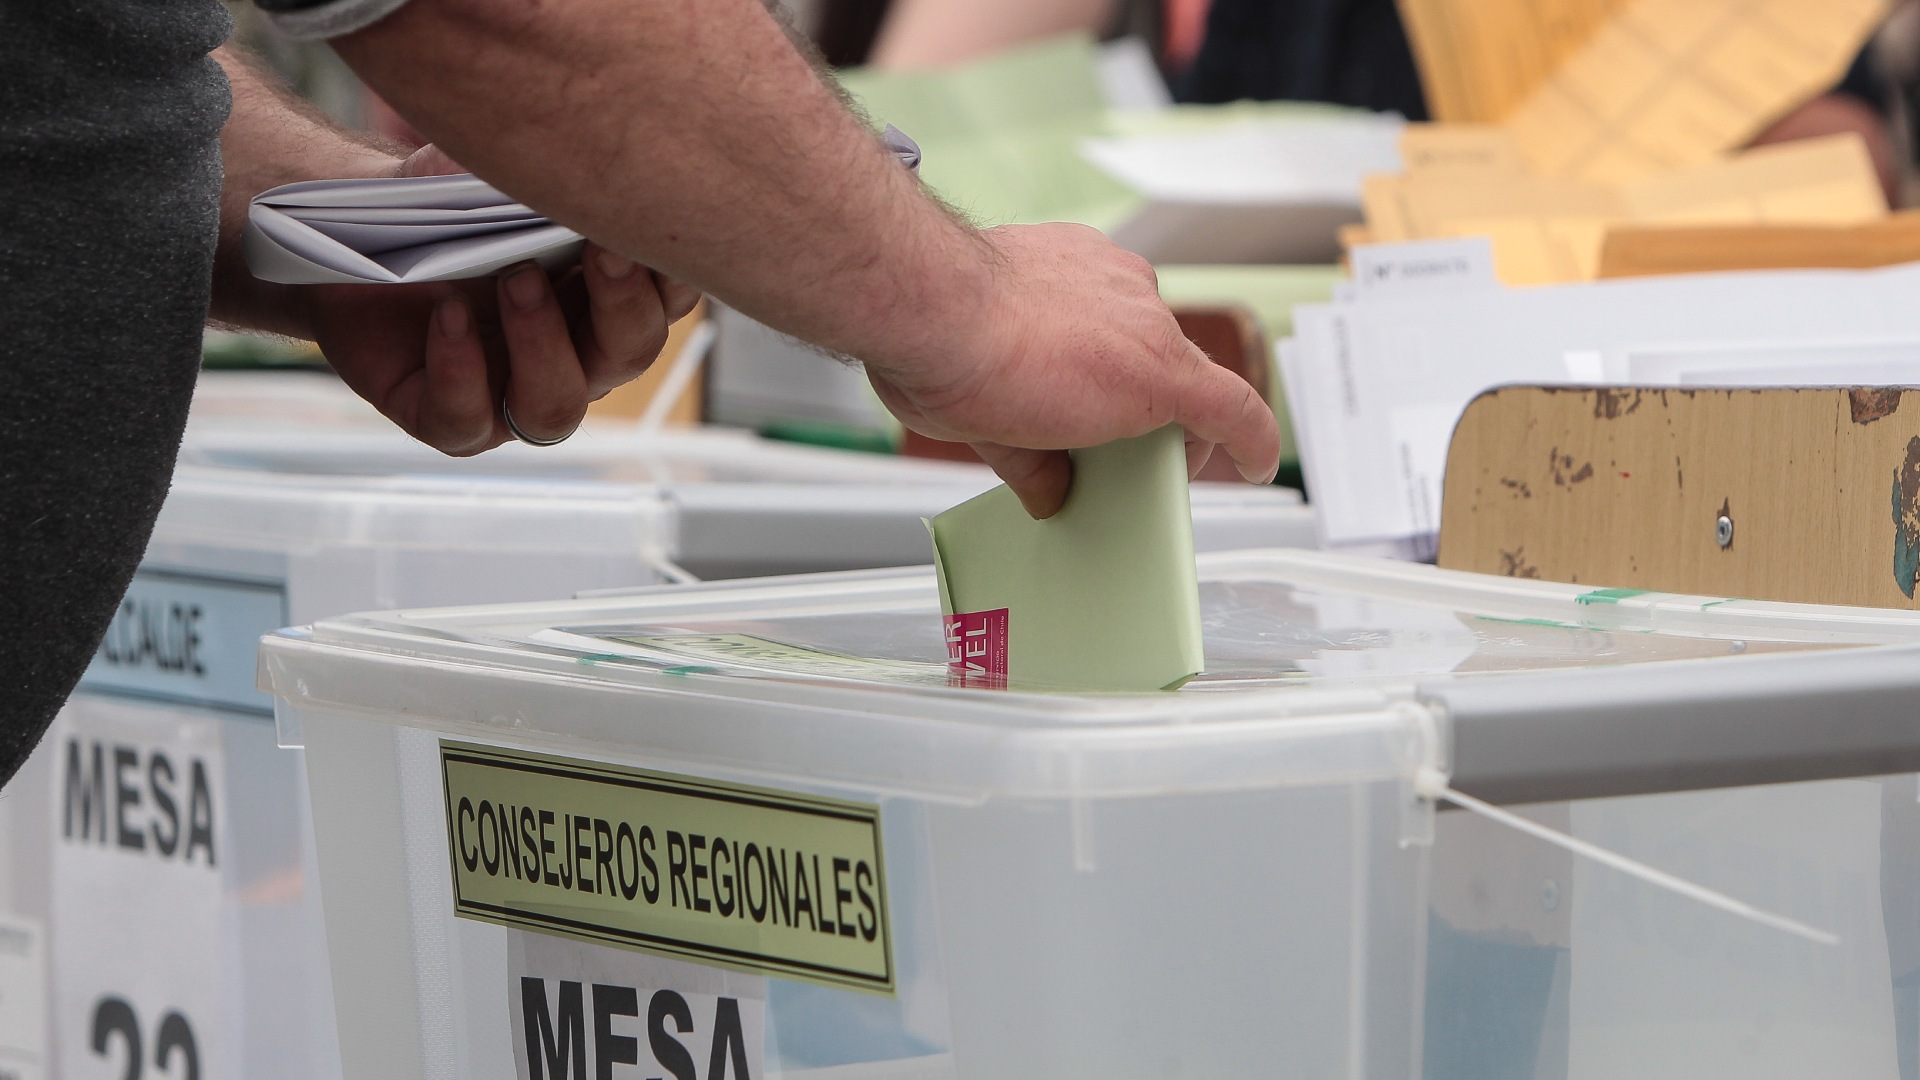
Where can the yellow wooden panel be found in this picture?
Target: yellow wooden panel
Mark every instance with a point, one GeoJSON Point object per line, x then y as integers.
{"type": "Point", "coordinates": [1624, 488]}
{"type": "Point", "coordinates": [631, 400]}
{"type": "Point", "coordinates": [1479, 59]}
{"type": "Point", "coordinates": [1670, 83]}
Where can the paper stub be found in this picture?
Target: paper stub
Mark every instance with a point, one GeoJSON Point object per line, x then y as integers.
{"type": "Point", "coordinates": [23, 999]}
{"type": "Point", "coordinates": [139, 811]}
{"type": "Point", "coordinates": [1423, 266]}
{"type": "Point", "coordinates": [579, 1010]}
{"type": "Point", "coordinates": [751, 879]}
{"type": "Point", "coordinates": [977, 648]}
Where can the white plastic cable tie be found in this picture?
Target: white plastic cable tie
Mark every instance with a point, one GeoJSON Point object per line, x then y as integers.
{"type": "Point", "coordinates": [1432, 784]}
{"type": "Point", "coordinates": [669, 569]}
{"type": "Point", "coordinates": [686, 364]}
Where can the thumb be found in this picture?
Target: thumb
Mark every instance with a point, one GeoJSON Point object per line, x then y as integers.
{"type": "Point", "coordinates": [430, 160]}
{"type": "Point", "coordinates": [1040, 478]}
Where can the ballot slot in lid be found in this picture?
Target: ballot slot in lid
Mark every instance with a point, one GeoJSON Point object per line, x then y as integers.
{"type": "Point", "coordinates": [1046, 820]}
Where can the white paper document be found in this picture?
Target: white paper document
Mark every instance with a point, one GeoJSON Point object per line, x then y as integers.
{"type": "Point", "coordinates": [1254, 191]}
{"type": "Point", "coordinates": [401, 230]}
{"type": "Point", "coordinates": [144, 953]}
{"type": "Point", "coordinates": [1377, 382]}
{"type": "Point", "coordinates": [405, 229]}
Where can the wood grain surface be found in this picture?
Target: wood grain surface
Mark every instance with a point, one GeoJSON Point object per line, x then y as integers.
{"type": "Point", "coordinates": [1624, 487]}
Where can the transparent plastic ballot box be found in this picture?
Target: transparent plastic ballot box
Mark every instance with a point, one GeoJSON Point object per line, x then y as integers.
{"type": "Point", "coordinates": [736, 504]}
{"type": "Point", "coordinates": [753, 828]}
{"type": "Point", "coordinates": [158, 864]}
{"type": "Point", "coordinates": [278, 398]}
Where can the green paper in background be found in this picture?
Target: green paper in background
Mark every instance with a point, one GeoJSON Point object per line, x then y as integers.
{"type": "Point", "coordinates": [1103, 596]}
{"type": "Point", "coordinates": [1001, 135]}
{"type": "Point", "coordinates": [1270, 292]}
{"type": "Point", "coordinates": [1001, 138]}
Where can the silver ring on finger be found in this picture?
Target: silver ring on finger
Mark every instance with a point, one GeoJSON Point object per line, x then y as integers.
{"type": "Point", "coordinates": [507, 415]}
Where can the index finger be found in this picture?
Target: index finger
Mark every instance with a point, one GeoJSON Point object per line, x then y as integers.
{"type": "Point", "coordinates": [1220, 407]}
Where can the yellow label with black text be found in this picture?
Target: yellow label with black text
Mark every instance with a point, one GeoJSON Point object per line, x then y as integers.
{"type": "Point", "coordinates": [749, 878]}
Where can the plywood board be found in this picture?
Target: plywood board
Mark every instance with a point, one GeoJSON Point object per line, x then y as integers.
{"type": "Point", "coordinates": [1624, 488]}
{"type": "Point", "coordinates": [1476, 147]}
{"type": "Point", "coordinates": [631, 400]}
{"type": "Point", "coordinates": [1551, 229]}
{"type": "Point", "coordinates": [1479, 59]}
{"type": "Point", "coordinates": [1670, 83]}
{"type": "Point", "coordinates": [1639, 251]}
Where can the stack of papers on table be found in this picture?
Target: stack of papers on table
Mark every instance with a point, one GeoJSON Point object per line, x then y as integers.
{"type": "Point", "coordinates": [1613, 89]}
{"type": "Point", "coordinates": [1377, 379]}
{"type": "Point", "coordinates": [1566, 121]}
{"type": "Point", "coordinates": [1468, 182]}
{"type": "Point", "coordinates": [1252, 191]}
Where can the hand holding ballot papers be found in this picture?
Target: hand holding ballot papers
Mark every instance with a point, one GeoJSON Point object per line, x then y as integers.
{"type": "Point", "coordinates": [421, 225]}
{"type": "Point", "coordinates": [442, 350]}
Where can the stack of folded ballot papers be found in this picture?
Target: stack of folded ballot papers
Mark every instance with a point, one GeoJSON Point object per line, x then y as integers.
{"type": "Point", "coordinates": [393, 231]}
{"type": "Point", "coordinates": [400, 230]}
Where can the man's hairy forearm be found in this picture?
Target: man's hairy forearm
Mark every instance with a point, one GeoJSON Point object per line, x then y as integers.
{"type": "Point", "coordinates": [693, 137]}
{"type": "Point", "coordinates": [273, 138]}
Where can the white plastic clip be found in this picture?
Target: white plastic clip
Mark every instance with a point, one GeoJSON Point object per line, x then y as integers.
{"type": "Point", "coordinates": [672, 571]}
{"type": "Point", "coordinates": [1431, 783]}
{"type": "Point", "coordinates": [686, 364]}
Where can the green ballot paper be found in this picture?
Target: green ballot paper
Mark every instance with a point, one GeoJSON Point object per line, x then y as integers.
{"type": "Point", "coordinates": [1102, 596]}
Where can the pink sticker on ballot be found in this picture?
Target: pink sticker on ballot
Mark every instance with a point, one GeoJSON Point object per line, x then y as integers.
{"type": "Point", "coordinates": [977, 648]}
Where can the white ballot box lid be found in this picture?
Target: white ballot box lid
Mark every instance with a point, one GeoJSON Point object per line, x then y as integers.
{"type": "Point", "coordinates": [1320, 669]}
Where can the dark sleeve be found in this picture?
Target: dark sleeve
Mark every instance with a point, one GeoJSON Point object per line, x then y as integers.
{"type": "Point", "coordinates": [1345, 52]}
{"type": "Point", "coordinates": [110, 168]}
{"type": "Point", "coordinates": [1861, 83]}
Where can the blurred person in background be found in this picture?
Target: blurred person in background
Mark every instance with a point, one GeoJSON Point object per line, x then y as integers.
{"type": "Point", "coordinates": [693, 143]}
{"type": "Point", "coordinates": [1343, 52]}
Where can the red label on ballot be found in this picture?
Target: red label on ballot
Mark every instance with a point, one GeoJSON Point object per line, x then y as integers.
{"type": "Point", "coordinates": [977, 648]}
